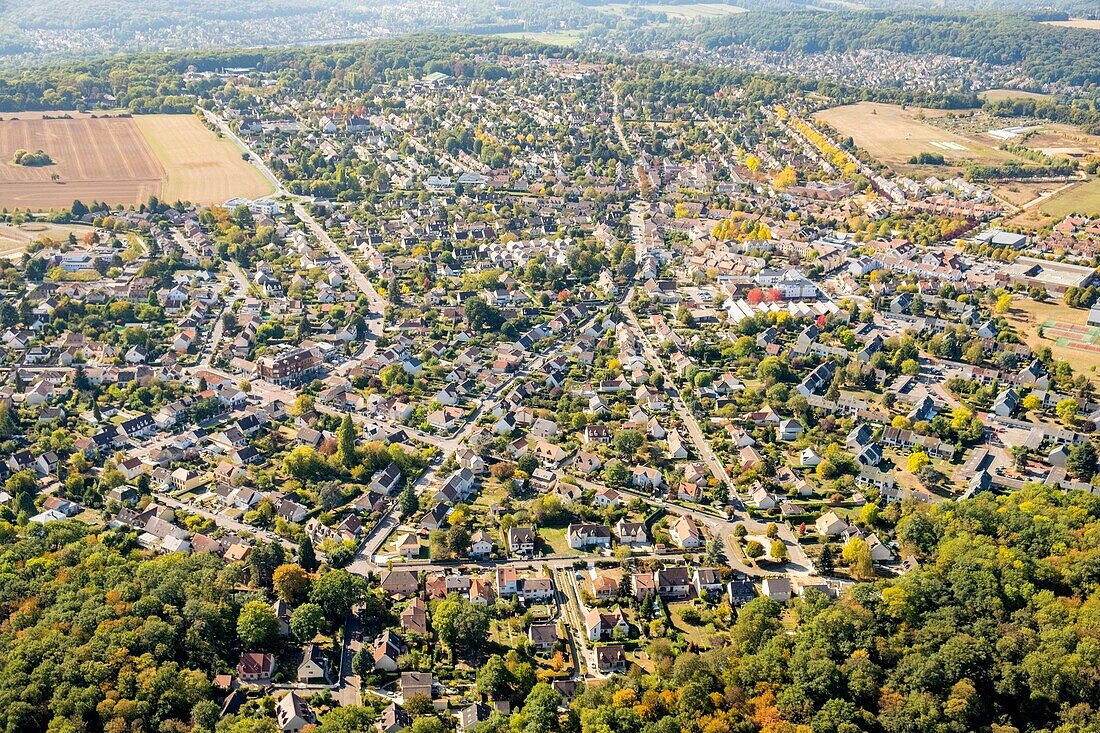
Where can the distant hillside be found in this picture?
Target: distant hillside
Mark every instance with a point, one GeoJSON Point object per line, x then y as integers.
{"type": "Point", "coordinates": [1046, 53]}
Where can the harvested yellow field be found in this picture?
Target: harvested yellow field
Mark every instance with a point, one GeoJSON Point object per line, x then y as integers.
{"type": "Point", "coordinates": [1083, 199]}
{"type": "Point", "coordinates": [894, 134]}
{"type": "Point", "coordinates": [997, 95]}
{"type": "Point", "coordinates": [103, 159]}
{"type": "Point", "coordinates": [120, 159]}
{"type": "Point", "coordinates": [1092, 25]}
{"type": "Point", "coordinates": [200, 167]}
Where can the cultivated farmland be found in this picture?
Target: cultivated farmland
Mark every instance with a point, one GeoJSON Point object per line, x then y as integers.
{"type": "Point", "coordinates": [121, 160]}
{"type": "Point", "coordinates": [105, 159]}
{"type": "Point", "coordinates": [200, 167]}
{"type": "Point", "coordinates": [1081, 23]}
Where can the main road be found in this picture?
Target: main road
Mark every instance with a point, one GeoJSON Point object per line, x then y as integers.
{"type": "Point", "coordinates": [377, 302]}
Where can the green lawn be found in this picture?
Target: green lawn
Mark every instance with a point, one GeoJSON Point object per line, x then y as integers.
{"type": "Point", "coordinates": [555, 539]}
{"type": "Point", "coordinates": [1083, 199]}
{"type": "Point", "coordinates": [698, 635]}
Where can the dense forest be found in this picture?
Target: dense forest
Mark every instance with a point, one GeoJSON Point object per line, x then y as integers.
{"type": "Point", "coordinates": [998, 630]}
{"type": "Point", "coordinates": [100, 637]}
{"type": "Point", "coordinates": [1046, 53]}
{"type": "Point", "coordinates": [96, 636]}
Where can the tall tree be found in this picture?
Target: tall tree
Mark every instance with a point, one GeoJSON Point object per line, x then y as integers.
{"type": "Point", "coordinates": [262, 561]}
{"type": "Point", "coordinates": [336, 592]}
{"type": "Point", "coordinates": [539, 713]}
{"type": "Point", "coordinates": [307, 556]}
{"type": "Point", "coordinates": [257, 626]}
{"type": "Point", "coordinates": [461, 624]}
{"type": "Point", "coordinates": [346, 435]}
{"type": "Point", "coordinates": [306, 621]}
{"type": "Point", "coordinates": [1081, 461]}
{"type": "Point", "coordinates": [291, 583]}
{"type": "Point", "coordinates": [408, 502]}
{"type": "Point", "coordinates": [857, 553]}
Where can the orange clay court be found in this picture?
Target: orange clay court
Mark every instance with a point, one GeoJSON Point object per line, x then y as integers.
{"type": "Point", "coordinates": [121, 160]}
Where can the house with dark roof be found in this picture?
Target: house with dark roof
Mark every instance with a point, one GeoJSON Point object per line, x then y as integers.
{"type": "Point", "coordinates": [544, 637]}
{"type": "Point", "coordinates": [393, 719]}
{"type": "Point", "coordinates": [521, 541]}
{"type": "Point", "coordinates": [255, 667]}
{"type": "Point", "coordinates": [416, 683]}
{"type": "Point", "coordinates": [314, 666]}
{"type": "Point", "coordinates": [588, 536]}
{"type": "Point", "coordinates": [611, 658]}
{"type": "Point", "coordinates": [386, 651]}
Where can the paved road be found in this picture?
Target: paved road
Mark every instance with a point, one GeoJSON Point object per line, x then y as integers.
{"type": "Point", "coordinates": [240, 292]}
{"type": "Point", "coordinates": [702, 446]}
{"type": "Point", "coordinates": [347, 694]}
{"type": "Point", "coordinates": [372, 543]}
{"type": "Point", "coordinates": [220, 519]}
{"type": "Point", "coordinates": [799, 560]}
{"type": "Point", "coordinates": [184, 244]}
{"type": "Point", "coordinates": [378, 303]}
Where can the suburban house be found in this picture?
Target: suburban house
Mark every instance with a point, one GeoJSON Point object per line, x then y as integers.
{"type": "Point", "coordinates": [386, 651]}
{"type": "Point", "coordinates": [778, 589]}
{"type": "Point", "coordinates": [313, 667]}
{"type": "Point", "coordinates": [631, 533]}
{"type": "Point", "coordinates": [393, 719]}
{"type": "Point", "coordinates": [611, 658]}
{"type": "Point", "coordinates": [601, 625]}
{"type": "Point", "coordinates": [521, 541]}
{"type": "Point", "coordinates": [544, 637]}
{"type": "Point", "coordinates": [685, 533]}
{"type": "Point", "coordinates": [416, 683]}
{"type": "Point", "coordinates": [402, 583]}
{"type": "Point", "coordinates": [588, 536]}
{"type": "Point", "coordinates": [255, 667]}
{"type": "Point", "coordinates": [293, 714]}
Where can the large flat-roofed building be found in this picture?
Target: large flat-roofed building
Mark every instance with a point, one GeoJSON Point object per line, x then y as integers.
{"type": "Point", "coordinates": [998, 238]}
{"type": "Point", "coordinates": [288, 366]}
{"type": "Point", "coordinates": [1055, 277]}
